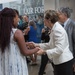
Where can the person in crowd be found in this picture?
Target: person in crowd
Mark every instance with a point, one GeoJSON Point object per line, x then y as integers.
{"type": "Point", "coordinates": [21, 20]}
{"type": "Point", "coordinates": [32, 34]}
{"type": "Point", "coordinates": [40, 25]}
{"type": "Point", "coordinates": [64, 14]}
{"type": "Point", "coordinates": [26, 21]}
{"type": "Point", "coordinates": [23, 25]}
{"type": "Point", "coordinates": [45, 35]}
{"type": "Point", "coordinates": [44, 58]}
{"type": "Point", "coordinates": [26, 18]}
{"type": "Point", "coordinates": [57, 49]}
{"type": "Point", "coordinates": [13, 48]}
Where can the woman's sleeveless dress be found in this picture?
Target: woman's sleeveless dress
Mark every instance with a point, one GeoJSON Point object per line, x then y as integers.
{"type": "Point", "coordinates": [12, 62]}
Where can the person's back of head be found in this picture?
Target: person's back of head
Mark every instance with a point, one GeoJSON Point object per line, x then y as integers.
{"type": "Point", "coordinates": [32, 23]}
{"type": "Point", "coordinates": [6, 23]}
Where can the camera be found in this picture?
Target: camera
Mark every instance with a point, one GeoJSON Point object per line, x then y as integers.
{"type": "Point", "coordinates": [23, 26]}
{"type": "Point", "coordinates": [46, 30]}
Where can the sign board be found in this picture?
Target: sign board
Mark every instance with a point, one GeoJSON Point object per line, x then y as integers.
{"type": "Point", "coordinates": [35, 10]}
{"type": "Point", "coordinates": [32, 6]}
{"type": "Point", "coordinates": [5, 1]}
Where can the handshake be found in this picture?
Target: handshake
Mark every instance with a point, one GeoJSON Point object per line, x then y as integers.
{"type": "Point", "coordinates": [32, 45]}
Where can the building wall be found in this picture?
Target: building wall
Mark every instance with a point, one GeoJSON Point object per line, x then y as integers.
{"type": "Point", "coordinates": [70, 4]}
{"type": "Point", "coordinates": [49, 4]}
{"type": "Point", "coordinates": [1, 7]}
{"type": "Point", "coordinates": [27, 6]}
{"type": "Point", "coordinates": [55, 4]}
{"type": "Point", "coordinates": [5, 5]}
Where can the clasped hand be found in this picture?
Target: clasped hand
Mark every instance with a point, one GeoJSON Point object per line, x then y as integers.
{"type": "Point", "coordinates": [32, 45]}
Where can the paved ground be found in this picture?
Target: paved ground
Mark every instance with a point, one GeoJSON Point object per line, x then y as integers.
{"type": "Point", "coordinates": [33, 70]}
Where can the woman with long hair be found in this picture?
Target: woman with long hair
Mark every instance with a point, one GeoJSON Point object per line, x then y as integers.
{"type": "Point", "coordinates": [12, 45]}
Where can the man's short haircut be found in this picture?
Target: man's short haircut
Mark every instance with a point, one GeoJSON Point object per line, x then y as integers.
{"type": "Point", "coordinates": [66, 11]}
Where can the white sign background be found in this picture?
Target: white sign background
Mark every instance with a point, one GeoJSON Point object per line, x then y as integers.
{"type": "Point", "coordinates": [5, 1]}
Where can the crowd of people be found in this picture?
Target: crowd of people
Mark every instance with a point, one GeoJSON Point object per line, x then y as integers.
{"type": "Point", "coordinates": [52, 37]}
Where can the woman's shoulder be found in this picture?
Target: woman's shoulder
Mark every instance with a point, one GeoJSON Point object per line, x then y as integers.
{"type": "Point", "coordinates": [58, 28]}
{"type": "Point", "coordinates": [32, 28]}
{"type": "Point", "coordinates": [14, 30]}
{"type": "Point", "coordinates": [17, 32]}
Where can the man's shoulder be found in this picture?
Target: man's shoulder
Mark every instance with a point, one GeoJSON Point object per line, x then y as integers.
{"type": "Point", "coordinates": [72, 22]}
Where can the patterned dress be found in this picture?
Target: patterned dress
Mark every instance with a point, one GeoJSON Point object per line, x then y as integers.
{"type": "Point", "coordinates": [12, 62]}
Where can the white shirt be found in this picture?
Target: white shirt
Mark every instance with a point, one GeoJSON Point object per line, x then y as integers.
{"type": "Point", "coordinates": [65, 23]}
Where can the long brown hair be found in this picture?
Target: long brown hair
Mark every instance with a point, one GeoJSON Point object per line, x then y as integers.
{"type": "Point", "coordinates": [6, 22]}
